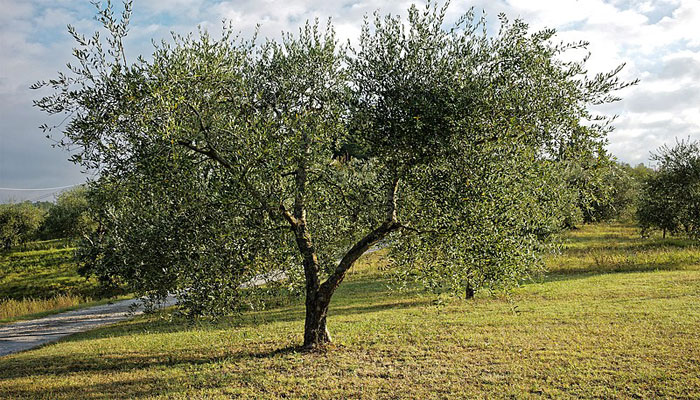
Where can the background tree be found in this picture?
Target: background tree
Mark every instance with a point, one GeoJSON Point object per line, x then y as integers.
{"type": "Point", "coordinates": [69, 217]}
{"type": "Point", "coordinates": [628, 186]}
{"type": "Point", "coordinates": [670, 197]}
{"type": "Point", "coordinates": [19, 223]}
{"type": "Point", "coordinates": [606, 188]}
{"type": "Point", "coordinates": [220, 159]}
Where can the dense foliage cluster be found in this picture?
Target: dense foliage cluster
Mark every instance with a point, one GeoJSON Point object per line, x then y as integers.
{"type": "Point", "coordinates": [222, 160]}
{"type": "Point", "coordinates": [18, 223]}
{"type": "Point", "coordinates": [670, 198]}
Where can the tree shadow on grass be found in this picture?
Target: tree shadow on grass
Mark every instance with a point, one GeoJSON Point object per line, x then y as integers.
{"type": "Point", "coordinates": [352, 300]}
{"type": "Point", "coordinates": [64, 365]}
{"type": "Point", "coordinates": [122, 389]}
{"type": "Point", "coordinates": [146, 325]}
{"type": "Point", "coordinates": [144, 375]}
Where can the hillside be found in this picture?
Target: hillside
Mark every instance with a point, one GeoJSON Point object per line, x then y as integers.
{"type": "Point", "coordinates": [40, 278]}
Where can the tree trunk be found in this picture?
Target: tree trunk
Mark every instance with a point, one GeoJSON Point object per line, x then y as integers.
{"type": "Point", "coordinates": [318, 296]}
{"type": "Point", "coordinates": [315, 330]}
{"type": "Point", "coordinates": [468, 292]}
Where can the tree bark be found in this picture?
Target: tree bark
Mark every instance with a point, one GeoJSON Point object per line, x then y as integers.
{"type": "Point", "coordinates": [468, 292]}
{"type": "Point", "coordinates": [318, 295]}
{"type": "Point", "coordinates": [315, 329]}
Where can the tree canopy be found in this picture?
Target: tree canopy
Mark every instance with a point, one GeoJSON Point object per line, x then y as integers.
{"type": "Point", "coordinates": [19, 223]}
{"type": "Point", "coordinates": [670, 198]}
{"type": "Point", "coordinates": [223, 159]}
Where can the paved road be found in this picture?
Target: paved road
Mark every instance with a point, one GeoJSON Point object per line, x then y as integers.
{"type": "Point", "coordinates": [25, 335]}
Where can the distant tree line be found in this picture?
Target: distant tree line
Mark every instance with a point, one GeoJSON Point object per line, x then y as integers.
{"type": "Point", "coordinates": [664, 199]}
{"type": "Point", "coordinates": [608, 190]}
{"type": "Point", "coordinates": [67, 218]}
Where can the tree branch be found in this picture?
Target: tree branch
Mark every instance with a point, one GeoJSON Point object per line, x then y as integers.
{"type": "Point", "coordinates": [390, 225]}
{"type": "Point", "coordinates": [212, 154]}
{"type": "Point", "coordinates": [379, 233]}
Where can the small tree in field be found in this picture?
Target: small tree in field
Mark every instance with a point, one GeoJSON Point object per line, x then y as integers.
{"type": "Point", "coordinates": [223, 159]}
{"type": "Point", "coordinates": [670, 197]}
{"type": "Point", "coordinates": [69, 217]}
{"type": "Point", "coordinates": [18, 223]}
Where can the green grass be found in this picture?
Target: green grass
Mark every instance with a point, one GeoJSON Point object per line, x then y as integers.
{"type": "Point", "coordinates": [41, 278]}
{"type": "Point", "coordinates": [51, 244]}
{"type": "Point", "coordinates": [619, 248]}
{"type": "Point", "coordinates": [616, 318]}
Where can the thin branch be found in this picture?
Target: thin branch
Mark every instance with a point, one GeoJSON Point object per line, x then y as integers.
{"type": "Point", "coordinates": [212, 154]}
{"type": "Point", "coordinates": [202, 127]}
{"type": "Point", "coordinates": [390, 225]}
{"type": "Point", "coordinates": [391, 200]}
{"type": "Point", "coordinates": [341, 192]}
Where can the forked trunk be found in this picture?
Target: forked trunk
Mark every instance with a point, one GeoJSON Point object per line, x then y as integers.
{"type": "Point", "coordinates": [315, 330]}
{"type": "Point", "coordinates": [318, 296]}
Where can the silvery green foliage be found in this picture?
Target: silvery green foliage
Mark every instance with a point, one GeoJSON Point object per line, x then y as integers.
{"type": "Point", "coordinates": [222, 159]}
{"type": "Point", "coordinates": [483, 133]}
{"type": "Point", "coordinates": [670, 197]}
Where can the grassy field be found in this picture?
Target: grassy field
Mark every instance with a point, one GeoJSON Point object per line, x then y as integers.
{"type": "Point", "coordinates": [41, 278]}
{"type": "Point", "coordinates": [616, 317]}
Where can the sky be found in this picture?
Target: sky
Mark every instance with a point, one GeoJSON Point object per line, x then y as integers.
{"type": "Point", "coordinates": [659, 40]}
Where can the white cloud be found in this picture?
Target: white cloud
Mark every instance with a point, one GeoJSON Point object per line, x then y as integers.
{"type": "Point", "coordinates": [658, 39]}
{"type": "Point", "coordinates": [684, 22]}
{"type": "Point", "coordinates": [659, 49]}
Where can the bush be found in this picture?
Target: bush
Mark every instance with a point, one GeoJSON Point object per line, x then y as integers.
{"type": "Point", "coordinates": [69, 217]}
{"type": "Point", "coordinates": [19, 223]}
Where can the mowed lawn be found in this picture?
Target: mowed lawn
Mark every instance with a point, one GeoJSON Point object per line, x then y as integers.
{"type": "Point", "coordinates": [616, 317]}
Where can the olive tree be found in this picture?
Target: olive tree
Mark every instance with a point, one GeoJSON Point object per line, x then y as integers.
{"type": "Point", "coordinates": [69, 217]}
{"type": "Point", "coordinates": [226, 159]}
{"type": "Point", "coordinates": [19, 223]}
{"type": "Point", "coordinates": [670, 197]}
{"type": "Point", "coordinates": [605, 187]}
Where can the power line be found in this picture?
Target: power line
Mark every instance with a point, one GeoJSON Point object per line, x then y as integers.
{"type": "Point", "coordinates": [39, 189]}
{"type": "Point", "coordinates": [42, 197]}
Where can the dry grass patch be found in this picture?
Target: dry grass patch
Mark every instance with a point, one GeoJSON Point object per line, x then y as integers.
{"type": "Point", "coordinates": [15, 308]}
